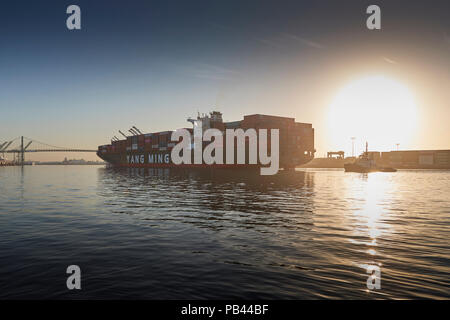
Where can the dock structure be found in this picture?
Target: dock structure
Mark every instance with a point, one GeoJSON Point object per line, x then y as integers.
{"type": "Point", "coordinates": [417, 159]}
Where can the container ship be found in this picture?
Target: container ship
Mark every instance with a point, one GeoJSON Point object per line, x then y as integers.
{"type": "Point", "coordinates": [296, 143]}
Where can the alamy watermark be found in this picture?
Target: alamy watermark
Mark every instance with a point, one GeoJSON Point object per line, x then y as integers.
{"type": "Point", "coordinates": [213, 152]}
{"type": "Point", "coordinates": [374, 279]}
{"type": "Point", "coordinates": [73, 21]}
{"type": "Point", "coordinates": [373, 22]}
{"type": "Point", "coordinates": [74, 280]}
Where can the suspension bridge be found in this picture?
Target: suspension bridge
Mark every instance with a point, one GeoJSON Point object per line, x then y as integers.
{"type": "Point", "coordinates": [22, 147]}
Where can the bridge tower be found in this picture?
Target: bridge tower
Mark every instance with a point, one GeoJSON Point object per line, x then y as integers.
{"type": "Point", "coordinates": [22, 153]}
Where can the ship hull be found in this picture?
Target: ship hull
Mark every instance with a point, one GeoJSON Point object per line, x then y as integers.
{"type": "Point", "coordinates": [163, 160]}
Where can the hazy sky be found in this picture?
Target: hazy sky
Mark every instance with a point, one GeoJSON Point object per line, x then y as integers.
{"type": "Point", "coordinates": [154, 63]}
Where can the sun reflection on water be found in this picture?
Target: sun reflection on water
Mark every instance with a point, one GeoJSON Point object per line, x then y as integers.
{"type": "Point", "coordinates": [371, 210]}
{"type": "Point", "coordinates": [370, 198]}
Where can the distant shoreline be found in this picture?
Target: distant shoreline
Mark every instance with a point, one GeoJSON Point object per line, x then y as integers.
{"type": "Point", "coordinates": [69, 164]}
{"type": "Point", "coordinates": [52, 164]}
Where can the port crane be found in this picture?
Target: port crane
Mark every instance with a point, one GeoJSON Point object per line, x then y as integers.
{"type": "Point", "coordinates": [133, 130]}
{"type": "Point", "coordinates": [123, 134]}
{"type": "Point", "coordinates": [137, 130]}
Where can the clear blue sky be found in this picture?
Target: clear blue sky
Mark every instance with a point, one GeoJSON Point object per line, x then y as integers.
{"type": "Point", "coordinates": [154, 63]}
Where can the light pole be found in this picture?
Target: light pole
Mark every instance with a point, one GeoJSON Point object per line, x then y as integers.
{"type": "Point", "coordinates": [353, 146]}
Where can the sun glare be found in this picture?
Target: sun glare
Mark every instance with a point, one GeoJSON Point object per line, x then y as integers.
{"type": "Point", "coordinates": [375, 109]}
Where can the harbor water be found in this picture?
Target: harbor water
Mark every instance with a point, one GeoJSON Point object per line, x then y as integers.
{"type": "Point", "coordinates": [157, 234]}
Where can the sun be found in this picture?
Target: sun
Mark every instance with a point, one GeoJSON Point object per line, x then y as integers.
{"type": "Point", "coordinates": [375, 109]}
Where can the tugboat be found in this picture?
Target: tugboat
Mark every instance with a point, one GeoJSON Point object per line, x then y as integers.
{"type": "Point", "coordinates": [365, 165]}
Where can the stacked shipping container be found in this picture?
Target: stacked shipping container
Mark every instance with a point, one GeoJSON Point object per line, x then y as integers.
{"type": "Point", "coordinates": [296, 140]}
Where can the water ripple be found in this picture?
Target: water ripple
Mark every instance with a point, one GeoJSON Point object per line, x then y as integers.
{"type": "Point", "coordinates": [174, 235]}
